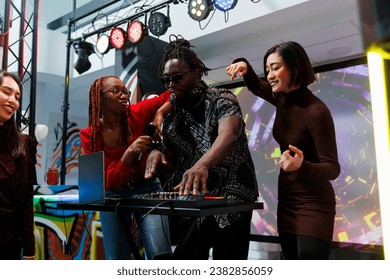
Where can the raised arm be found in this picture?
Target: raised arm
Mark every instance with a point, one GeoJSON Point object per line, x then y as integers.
{"type": "Point", "coordinates": [160, 114]}
{"type": "Point", "coordinates": [259, 87]}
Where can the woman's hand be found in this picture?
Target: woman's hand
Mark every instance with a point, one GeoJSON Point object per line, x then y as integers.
{"type": "Point", "coordinates": [135, 151]}
{"type": "Point", "coordinates": [159, 117]}
{"type": "Point", "coordinates": [237, 69]}
{"type": "Point", "coordinates": [157, 122]}
{"type": "Point", "coordinates": [155, 157]}
{"type": "Point", "coordinates": [291, 163]}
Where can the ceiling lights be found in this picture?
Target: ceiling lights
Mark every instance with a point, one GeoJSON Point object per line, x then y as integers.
{"type": "Point", "coordinates": [103, 44]}
{"type": "Point", "coordinates": [83, 50]}
{"type": "Point", "coordinates": [225, 5]}
{"type": "Point", "coordinates": [158, 23]}
{"type": "Point", "coordinates": [117, 37]}
{"type": "Point", "coordinates": [136, 31]}
{"type": "Point", "coordinates": [199, 9]}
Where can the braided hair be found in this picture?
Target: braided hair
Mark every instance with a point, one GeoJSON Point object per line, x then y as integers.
{"type": "Point", "coordinates": [95, 114]}
{"type": "Point", "coordinates": [179, 48]}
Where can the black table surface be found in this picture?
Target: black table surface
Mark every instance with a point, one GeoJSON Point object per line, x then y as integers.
{"type": "Point", "coordinates": [164, 209]}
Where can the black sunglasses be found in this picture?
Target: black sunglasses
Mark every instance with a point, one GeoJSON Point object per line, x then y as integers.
{"type": "Point", "coordinates": [177, 78]}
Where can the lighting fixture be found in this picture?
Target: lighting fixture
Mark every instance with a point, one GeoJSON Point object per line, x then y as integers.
{"type": "Point", "coordinates": [83, 50]}
{"type": "Point", "coordinates": [199, 9]}
{"type": "Point", "coordinates": [117, 37]}
{"type": "Point", "coordinates": [225, 5]}
{"type": "Point", "coordinates": [158, 23]}
{"type": "Point", "coordinates": [103, 44]}
{"type": "Point", "coordinates": [136, 31]}
{"type": "Point", "coordinates": [378, 58]}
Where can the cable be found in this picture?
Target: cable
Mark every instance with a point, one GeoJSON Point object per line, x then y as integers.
{"type": "Point", "coordinates": [161, 218]}
{"type": "Point", "coordinates": [128, 223]}
{"type": "Point", "coordinates": [147, 213]}
{"type": "Point", "coordinates": [210, 18]}
{"type": "Point", "coordinates": [66, 234]}
{"type": "Point", "coordinates": [165, 233]}
{"type": "Point", "coordinates": [102, 15]}
{"type": "Point", "coordinates": [226, 14]}
{"type": "Point", "coordinates": [88, 233]}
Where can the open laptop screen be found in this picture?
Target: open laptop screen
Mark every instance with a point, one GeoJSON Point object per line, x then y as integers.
{"type": "Point", "coordinates": [91, 178]}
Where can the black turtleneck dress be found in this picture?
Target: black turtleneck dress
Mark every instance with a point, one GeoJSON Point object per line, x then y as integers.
{"type": "Point", "coordinates": [306, 199]}
{"type": "Point", "coordinates": [17, 177]}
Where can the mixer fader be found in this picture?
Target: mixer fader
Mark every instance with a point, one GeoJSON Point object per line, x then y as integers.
{"type": "Point", "coordinates": [173, 198]}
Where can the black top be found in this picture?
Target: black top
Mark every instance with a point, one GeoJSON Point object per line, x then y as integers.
{"type": "Point", "coordinates": [17, 177]}
{"type": "Point", "coordinates": [306, 197]}
{"type": "Point", "coordinates": [190, 132]}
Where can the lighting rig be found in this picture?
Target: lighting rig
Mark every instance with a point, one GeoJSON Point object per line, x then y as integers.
{"type": "Point", "coordinates": [115, 36]}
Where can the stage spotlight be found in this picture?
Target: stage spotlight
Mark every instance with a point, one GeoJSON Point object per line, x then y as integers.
{"type": "Point", "coordinates": [103, 44]}
{"type": "Point", "coordinates": [225, 5]}
{"type": "Point", "coordinates": [83, 50]}
{"type": "Point", "coordinates": [136, 31]}
{"type": "Point", "coordinates": [158, 24]}
{"type": "Point", "coordinates": [117, 37]}
{"type": "Point", "coordinates": [199, 9]}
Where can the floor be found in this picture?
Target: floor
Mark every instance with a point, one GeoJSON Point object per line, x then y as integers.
{"type": "Point", "coordinates": [272, 251]}
{"type": "Point", "coordinates": [264, 251]}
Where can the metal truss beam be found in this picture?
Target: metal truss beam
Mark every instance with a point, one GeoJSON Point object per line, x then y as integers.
{"type": "Point", "coordinates": [19, 38]}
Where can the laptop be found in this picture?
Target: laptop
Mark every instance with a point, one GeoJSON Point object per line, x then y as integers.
{"type": "Point", "coordinates": [92, 189]}
{"type": "Point", "coordinates": [91, 178]}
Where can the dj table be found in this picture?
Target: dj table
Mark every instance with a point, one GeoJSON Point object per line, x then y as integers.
{"type": "Point", "coordinates": [169, 210]}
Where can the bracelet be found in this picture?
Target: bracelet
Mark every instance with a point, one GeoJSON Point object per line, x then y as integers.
{"type": "Point", "coordinates": [158, 146]}
{"type": "Point", "coordinates": [29, 257]}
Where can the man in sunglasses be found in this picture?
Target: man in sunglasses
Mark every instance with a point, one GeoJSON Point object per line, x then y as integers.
{"type": "Point", "coordinates": [204, 138]}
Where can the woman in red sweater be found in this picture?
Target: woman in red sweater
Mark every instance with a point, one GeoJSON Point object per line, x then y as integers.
{"type": "Point", "coordinates": [118, 129]}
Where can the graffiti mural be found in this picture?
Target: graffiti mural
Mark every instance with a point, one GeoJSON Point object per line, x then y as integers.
{"type": "Point", "coordinates": [65, 234]}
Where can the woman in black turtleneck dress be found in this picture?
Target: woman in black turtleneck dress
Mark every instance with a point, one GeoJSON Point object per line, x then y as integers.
{"type": "Point", "coordinates": [17, 177]}
{"type": "Point", "coordinates": [305, 131]}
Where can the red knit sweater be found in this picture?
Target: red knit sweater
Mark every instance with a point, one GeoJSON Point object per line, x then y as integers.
{"type": "Point", "coordinates": [139, 115]}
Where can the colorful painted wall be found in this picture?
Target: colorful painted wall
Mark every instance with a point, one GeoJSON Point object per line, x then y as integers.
{"type": "Point", "coordinates": [65, 234]}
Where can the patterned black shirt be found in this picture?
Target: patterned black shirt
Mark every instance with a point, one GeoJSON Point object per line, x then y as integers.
{"type": "Point", "coordinates": [190, 132]}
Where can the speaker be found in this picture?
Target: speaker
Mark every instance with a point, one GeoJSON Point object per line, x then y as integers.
{"type": "Point", "coordinates": [141, 60]}
{"type": "Point", "coordinates": [375, 21]}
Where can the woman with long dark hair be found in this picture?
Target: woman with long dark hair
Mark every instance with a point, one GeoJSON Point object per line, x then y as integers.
{"type": "Point", "coordinates": [17, 176]}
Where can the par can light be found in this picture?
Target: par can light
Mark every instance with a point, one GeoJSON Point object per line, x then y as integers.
{"type": "Point", "coordinates": [136, 31]}
{"type": "Point", "coordinates": [103, 44]}
{"type": "Point", "coordinates": [117, 37]}
{"type": "Point", "coordinates": [158, 23]}
{"type": "Point", "coordinates": [225, 5]}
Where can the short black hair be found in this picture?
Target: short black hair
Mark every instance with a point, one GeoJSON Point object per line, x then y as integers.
{"type": "Point", "coordinates": [297, 62]}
